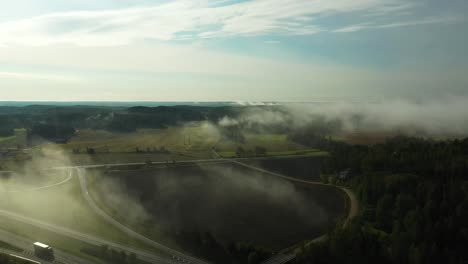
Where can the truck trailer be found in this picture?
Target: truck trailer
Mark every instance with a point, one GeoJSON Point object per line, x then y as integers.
{"type": "Point", "coordinates": [43, 251]}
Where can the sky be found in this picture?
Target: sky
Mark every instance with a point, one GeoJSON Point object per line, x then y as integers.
{"type": "Point", "coordinates": [231, 50]}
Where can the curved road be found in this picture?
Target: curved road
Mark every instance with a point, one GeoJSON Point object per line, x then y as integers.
{"type": "Point", "coordinates": [90, 239]}
{"type": "Point", "coordinates": [353, 210]}
{"type": "Point", "coordinates": [177, 254]}
{"type": "Point", "coordinates": [354, 204]}
{"type": "Point", "coordinates": [281, 257]}
{"type": "Point", "coordinates": [68, 178]}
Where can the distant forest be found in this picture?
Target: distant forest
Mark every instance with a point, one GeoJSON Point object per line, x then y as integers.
{"type": "Point", "coordinates": [60, 123]}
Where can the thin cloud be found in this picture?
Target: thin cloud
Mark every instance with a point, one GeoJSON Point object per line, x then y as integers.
{"type": "Point", "coordinates": [35, 76]}
{"type": "Point", "coordinates": [198, 19]}
{"type": "Point", "coordinates": [424, 21]}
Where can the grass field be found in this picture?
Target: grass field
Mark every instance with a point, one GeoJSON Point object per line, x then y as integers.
{"type": "Point", "coordinates": [190, 141]}
{"type": "Point", "coordinates": [18, 139]}
{"type": "Point", "coordinates": [233, 203]}
{"type": "Point", "coordinates": [3, 139]}
{"type": "Point", "coordinates": [198, 137]}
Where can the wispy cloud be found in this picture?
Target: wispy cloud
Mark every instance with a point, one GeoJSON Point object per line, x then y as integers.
{"type": "Point", "coordinates": [183, 19]}
{"type": "Point", "coordinates": [36, 76]}
{"type": "Point", "coordinates": [423, 21]}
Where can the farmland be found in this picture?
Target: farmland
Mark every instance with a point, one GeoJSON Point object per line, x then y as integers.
{"type": "Point", "coordinates": [231, 202]}
{"type": "Point", "coordinates": [191, 141]}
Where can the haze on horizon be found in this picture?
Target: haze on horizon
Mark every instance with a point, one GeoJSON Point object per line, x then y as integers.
{"type": "Point", "coordinates": [218, 50]}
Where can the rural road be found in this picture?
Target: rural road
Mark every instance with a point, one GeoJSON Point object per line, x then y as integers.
{"type": "Point", "coordinates": [143, 255]}
{"type": "Point", "coordinates": [65, 180]}
{"type": "Point", "coordinates": [354, 204]}
{"type": "Point", "coordinates": [215, 160]}
{"type": "Point", "coordinates": [353, 210]}
{"type": "Point", "coordinates": [282, 258]}
{"type": "Point", "coordinates": [27, 246]}
{"type": "Point", "coordinates": [177, 254]}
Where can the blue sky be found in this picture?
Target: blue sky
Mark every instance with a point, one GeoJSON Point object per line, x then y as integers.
{"type": "Point", "coordinates": [210, 50]}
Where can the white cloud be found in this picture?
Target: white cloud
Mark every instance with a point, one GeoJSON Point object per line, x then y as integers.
{"type": "Point", "coordinates": [182, 19]}
{"type": "Point", "coordinates": [36, 76]}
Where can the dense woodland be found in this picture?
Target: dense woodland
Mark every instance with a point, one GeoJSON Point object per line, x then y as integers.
{"type": "Point", "coordinates": [60, 123]}
{"type": "Point", "coordinates": [414, 199]}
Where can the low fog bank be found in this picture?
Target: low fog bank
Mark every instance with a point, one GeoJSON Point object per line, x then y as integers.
{"type": "Point", "coordinates": [438, 117]}
{"type": "Point", "coordinates": [36, 190]}
{"type": "Point", "coordinates": [230, 202]}
{"type": "Point", "coordinates": [35, 171]}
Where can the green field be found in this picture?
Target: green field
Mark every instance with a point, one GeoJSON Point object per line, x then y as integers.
{"type": "Point", "coordinates": [18, 139]}
{"type": "Point", "coordinates": [194, 138]}
{"type": "Point", "coordinates": [191, 141]}
{"type": "Point", "coordinates": [3, 139]}
{"type": "Point", "coordinates": [272, 142]}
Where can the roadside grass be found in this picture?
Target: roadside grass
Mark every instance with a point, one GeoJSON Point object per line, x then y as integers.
{"type": "Point", "coordinates": [193, 137]}
{"type": "Point", "coordinates": [64, 206]}
{"type": "Point", "coordinates": [55, 240]}
{"type": "Point", "coordinates": [9, 246]}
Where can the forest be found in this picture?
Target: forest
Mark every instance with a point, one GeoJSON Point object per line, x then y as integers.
{"type": "Point", "coordinates": [414, 198]}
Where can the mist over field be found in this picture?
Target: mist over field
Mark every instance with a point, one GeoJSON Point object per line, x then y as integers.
{"type": "Point", "coordinates": [445, 116]}
{"type": "Point", "coordinates": [231, 203]}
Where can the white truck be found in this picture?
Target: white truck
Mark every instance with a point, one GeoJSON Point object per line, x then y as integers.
{"type": "Point", "coordinates": [43, 251]}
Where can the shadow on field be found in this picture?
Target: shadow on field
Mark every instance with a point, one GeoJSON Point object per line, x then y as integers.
{"type": "Point", "coordinates": [230, 202]}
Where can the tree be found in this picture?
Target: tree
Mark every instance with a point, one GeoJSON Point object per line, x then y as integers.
{"type": "Point", "coordinates": [90, 151]}
{"type": "Point", "coordinates": [384, 211]}
{"type": "Point", "coordinates": [253, 258]}
{"type": "Point", "coordinates": [240, 152]}
{"type": "Point", "coordinates": [260, 151]}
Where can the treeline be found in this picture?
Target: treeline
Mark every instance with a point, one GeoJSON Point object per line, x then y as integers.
{"type": "Point", "coordinates": [206, 246]}
{"type": "Point", "coordinates": [163, 116]}
{"type": "Point", "coordinates": [7, 126]}
{"type": "Point", "coordinates": [52, 122]}
{"type": "Point", "coordinates": [414, 199]}
{"type": "Point", "coordinates": [113, 256]}
{"type": "Point", "coordinates": [57, 132]}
